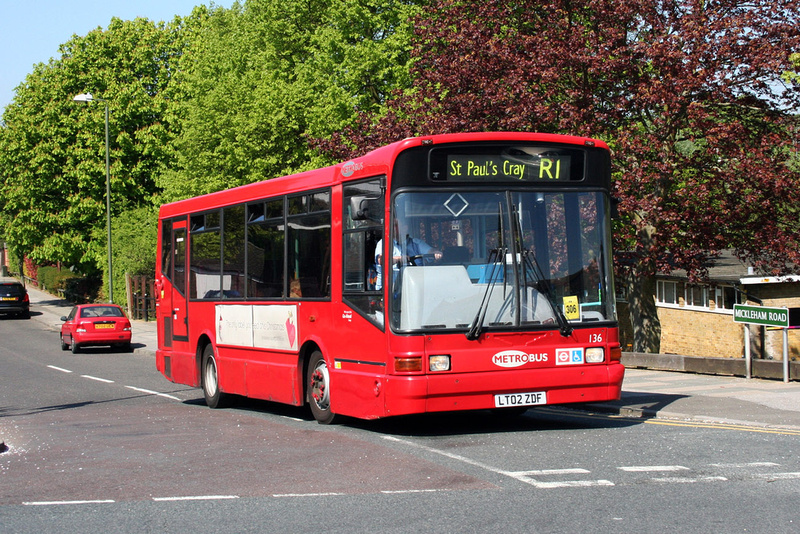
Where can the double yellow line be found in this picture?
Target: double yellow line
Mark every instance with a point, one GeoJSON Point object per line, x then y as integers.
{"type": "Point", "coordinates": [740, 427]}
{"type": "Point", "coordinates": [727, 426]}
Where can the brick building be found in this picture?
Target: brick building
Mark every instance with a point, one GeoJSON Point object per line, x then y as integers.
{"type": "Point", "coordinates": [697, 319]}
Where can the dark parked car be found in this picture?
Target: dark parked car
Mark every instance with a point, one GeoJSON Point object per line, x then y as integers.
{"type": "Point", "coordinates": [14, 299]}
{"type": "Point", "coordinates": [92, 325]}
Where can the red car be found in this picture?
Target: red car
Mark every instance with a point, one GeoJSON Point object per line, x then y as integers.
{"type": "Point", "coordinates": [91, 325]}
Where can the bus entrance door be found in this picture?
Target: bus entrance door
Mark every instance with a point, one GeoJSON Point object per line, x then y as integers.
{"type": "Point", "coordinates": [179, 306]}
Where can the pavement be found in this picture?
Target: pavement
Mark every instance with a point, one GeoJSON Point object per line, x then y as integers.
{"type": "Point", "coordinates": [645, 393]}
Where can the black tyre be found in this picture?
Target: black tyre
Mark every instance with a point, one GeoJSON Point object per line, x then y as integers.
{"type": "Point", "coordinates": [209, 377]}
{"type": "Point", "coordinates": [74, 346]}
{"type": "Point", "coordinates": [64, 346]}
{"type": "Point", "coordinates": [318, 392]}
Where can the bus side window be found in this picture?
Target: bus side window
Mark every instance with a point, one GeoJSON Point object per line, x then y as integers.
{"type": "Point", "coordinates": [363, 227]}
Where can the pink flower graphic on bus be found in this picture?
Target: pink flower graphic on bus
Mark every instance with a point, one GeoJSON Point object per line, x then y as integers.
{"type": "Point", "coordinates": [291, 330]}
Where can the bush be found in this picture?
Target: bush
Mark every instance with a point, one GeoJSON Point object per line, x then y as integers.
{"type": "Point", "coordinates": [80, 290]}
{"type": "Point", "coordinates": [76, 289]}
{"type": "Point", "coordinates": [52, 278]}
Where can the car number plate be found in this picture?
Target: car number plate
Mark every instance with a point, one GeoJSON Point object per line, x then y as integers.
{"type": "Point", "coordinates": [98, 326]}
{"type": "Point", "coordinates": [520, 399]}
{"type": "Point", "coordinates": [9, 298]}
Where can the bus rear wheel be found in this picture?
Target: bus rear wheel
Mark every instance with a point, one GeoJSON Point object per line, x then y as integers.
{"type": "Point", "coordinates": [209, 377]}
{"type": "Point", "coordinates": [318, 385]}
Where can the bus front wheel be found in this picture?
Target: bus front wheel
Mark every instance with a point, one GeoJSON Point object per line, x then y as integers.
{"type": "Point", "coordinates": [318, 385]}
{"type": "Point", "coordinates": [210, 380]}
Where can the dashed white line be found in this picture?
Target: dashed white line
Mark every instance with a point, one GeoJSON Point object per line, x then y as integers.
{"type": "Point", "coordinates": [65, 503]}
{"type": "Point", "coordinates": [98, 379]}
{"type": "Point", "coordinates": [107, 381]}
{"type": "Point", "coordinates": [651, 468]}
{"type": "Point", "coordinates": [689, 480]}
{"type": "Point", "coordinates": [779, 476]}
{"type": "Point", "coordinates": [151, 392]}
{"type": "Point", "coordinates": [571, 484]}
{"type": "Point", "coordinates": [548, 472]}
{"type": "Point", "coordinates": [750, 464]}
{"type": "Point", "coordinates": [196, 498]}
{"type": "Point", "coordinates": [307, 494]}
{"type": "Point", "coordinates": [393, 492]}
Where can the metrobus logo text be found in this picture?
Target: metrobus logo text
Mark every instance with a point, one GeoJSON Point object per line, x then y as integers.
{"type": "Point", "coordinates": [350, 168]}
{"type": "Point", "coordinates": [515, 358]}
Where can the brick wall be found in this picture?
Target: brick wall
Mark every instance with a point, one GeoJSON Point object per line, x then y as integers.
{"type": "Point", "coordinates": [697, 333]}
{"type": "Point", "coordinates": [690, 332]}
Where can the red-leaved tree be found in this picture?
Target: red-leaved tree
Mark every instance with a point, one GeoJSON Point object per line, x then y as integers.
{"type": "Point", "coordinates": [687, 93]}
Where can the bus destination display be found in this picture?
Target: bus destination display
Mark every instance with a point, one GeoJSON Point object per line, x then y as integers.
{"type": "Point", "coordinates": [501, 167]}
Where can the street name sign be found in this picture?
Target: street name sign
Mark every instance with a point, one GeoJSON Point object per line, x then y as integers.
{"type": "Point", "coordinates": [761, 315]}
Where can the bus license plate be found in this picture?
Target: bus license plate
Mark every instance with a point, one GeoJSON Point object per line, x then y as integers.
{"type": "Point", "coordinates": [520, 399]}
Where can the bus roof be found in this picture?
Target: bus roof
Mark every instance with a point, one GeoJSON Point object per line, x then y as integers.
{"type": "Point", "coordinates": [373, 163]}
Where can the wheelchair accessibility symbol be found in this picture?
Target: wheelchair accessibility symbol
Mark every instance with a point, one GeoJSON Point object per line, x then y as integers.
{"type": "Point", "coordinates": [569, 356]}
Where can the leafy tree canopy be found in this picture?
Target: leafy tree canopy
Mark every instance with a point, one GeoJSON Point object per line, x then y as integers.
{"type": "Point", "coordinates": [687, 92]}
{"type": "Point", "coordinates": [266, 75]}
{"type": "Point", "coordinates": [52, 149]}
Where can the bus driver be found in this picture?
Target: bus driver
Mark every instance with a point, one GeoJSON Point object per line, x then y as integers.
{"type": "Point", "coordinates": [410, 253]}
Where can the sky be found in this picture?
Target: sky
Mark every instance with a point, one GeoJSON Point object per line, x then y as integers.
{"type": "Point", "coordinates": [31, 31]}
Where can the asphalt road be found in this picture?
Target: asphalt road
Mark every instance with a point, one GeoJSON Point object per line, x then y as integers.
{"type": "Point", "coordinates": [100, 442]}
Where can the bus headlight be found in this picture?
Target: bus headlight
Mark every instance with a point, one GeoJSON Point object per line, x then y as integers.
{"type": "Point", "coordinates": [595, 355]}
{"type": "Point", "coordinates": [440, 362]}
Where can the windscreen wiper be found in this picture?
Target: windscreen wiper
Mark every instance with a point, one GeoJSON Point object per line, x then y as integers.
{"type": "Point", "coordinates": [495, 271]}
{"type": "Point", "coordinates": [543, 285]}
{"type": "Point", "coordinates": [475, 328]}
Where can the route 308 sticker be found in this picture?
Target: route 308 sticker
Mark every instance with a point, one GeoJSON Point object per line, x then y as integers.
{"type": "Point", "coordinates": [569, 356]}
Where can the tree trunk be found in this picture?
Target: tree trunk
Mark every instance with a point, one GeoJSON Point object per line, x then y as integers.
{"type": "Point", "coordinates": [641, 285]}
{"type": "Point", "coordinates": [643, 313]}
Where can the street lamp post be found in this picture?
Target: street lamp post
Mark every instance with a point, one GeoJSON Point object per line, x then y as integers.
{"type": "Point", "coordinates": [87, 97]}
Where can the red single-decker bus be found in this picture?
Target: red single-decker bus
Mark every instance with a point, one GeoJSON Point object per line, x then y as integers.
{"type": "Point", "coordinates": [441, 273]}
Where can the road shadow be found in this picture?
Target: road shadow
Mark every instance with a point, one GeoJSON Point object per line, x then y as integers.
{"type": "Point", "coordinates": [647, 404]}
{"type": "Point", "coordinates": [535, 419]}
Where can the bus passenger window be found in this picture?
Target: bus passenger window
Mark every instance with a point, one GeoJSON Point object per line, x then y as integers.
{"type": "Point", "coordinates": [363, 230]}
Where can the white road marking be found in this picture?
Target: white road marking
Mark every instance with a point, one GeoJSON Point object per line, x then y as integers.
{"type": "Point", "coordinates": [570, 484]}
{"type": "Point", "coordinates": [651, 468]}
{"type": "Point", "coordinates": [307, 494]}
{"type": "Point", "coordinates": [196, 498]}
{"type": "Point", "coordinates": [522, 476]}
{"type": "Point", "coordinates": [105, 380]}
{"type": "Point", "coordinates": [779, 476]}
{"type": "Point", "coordinates": [151, 392]}
{"type": "Point", "coordinates": [548, 472]}
{"type": "Point", "coordinates": [689, 480]}
{"type": "Point", "coordinates": [751, 464]}
{"type": "Point", "coordinates": [390, 492]}
{"type": "Point", "coordinates": [63, 503]}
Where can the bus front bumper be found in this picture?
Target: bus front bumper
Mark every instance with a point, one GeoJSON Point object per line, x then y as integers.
{"type": "Point", "coordinates": [476, 391]}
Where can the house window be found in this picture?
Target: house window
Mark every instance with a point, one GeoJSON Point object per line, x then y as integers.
{"type": "Point", "coordinates": [674, 294]}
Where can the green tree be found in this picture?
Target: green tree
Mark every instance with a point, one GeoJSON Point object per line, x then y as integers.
{"type": "Point", "coordinates": [685, 91]}
{"type": "Point", "coordinates": [265, 76]}
{"type": "Point", "coordinates": [52, 150]}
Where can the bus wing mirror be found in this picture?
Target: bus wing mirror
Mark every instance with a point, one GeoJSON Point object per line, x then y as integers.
{"type": "Point", "coordinates": [365, 208]}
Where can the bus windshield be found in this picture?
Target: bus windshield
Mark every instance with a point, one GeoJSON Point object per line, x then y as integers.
{"type": "Point", "coordinates": [500, 260]}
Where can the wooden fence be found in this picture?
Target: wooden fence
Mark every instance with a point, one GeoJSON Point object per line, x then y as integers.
{"type": "Point", "coordinates": [141, 297]}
